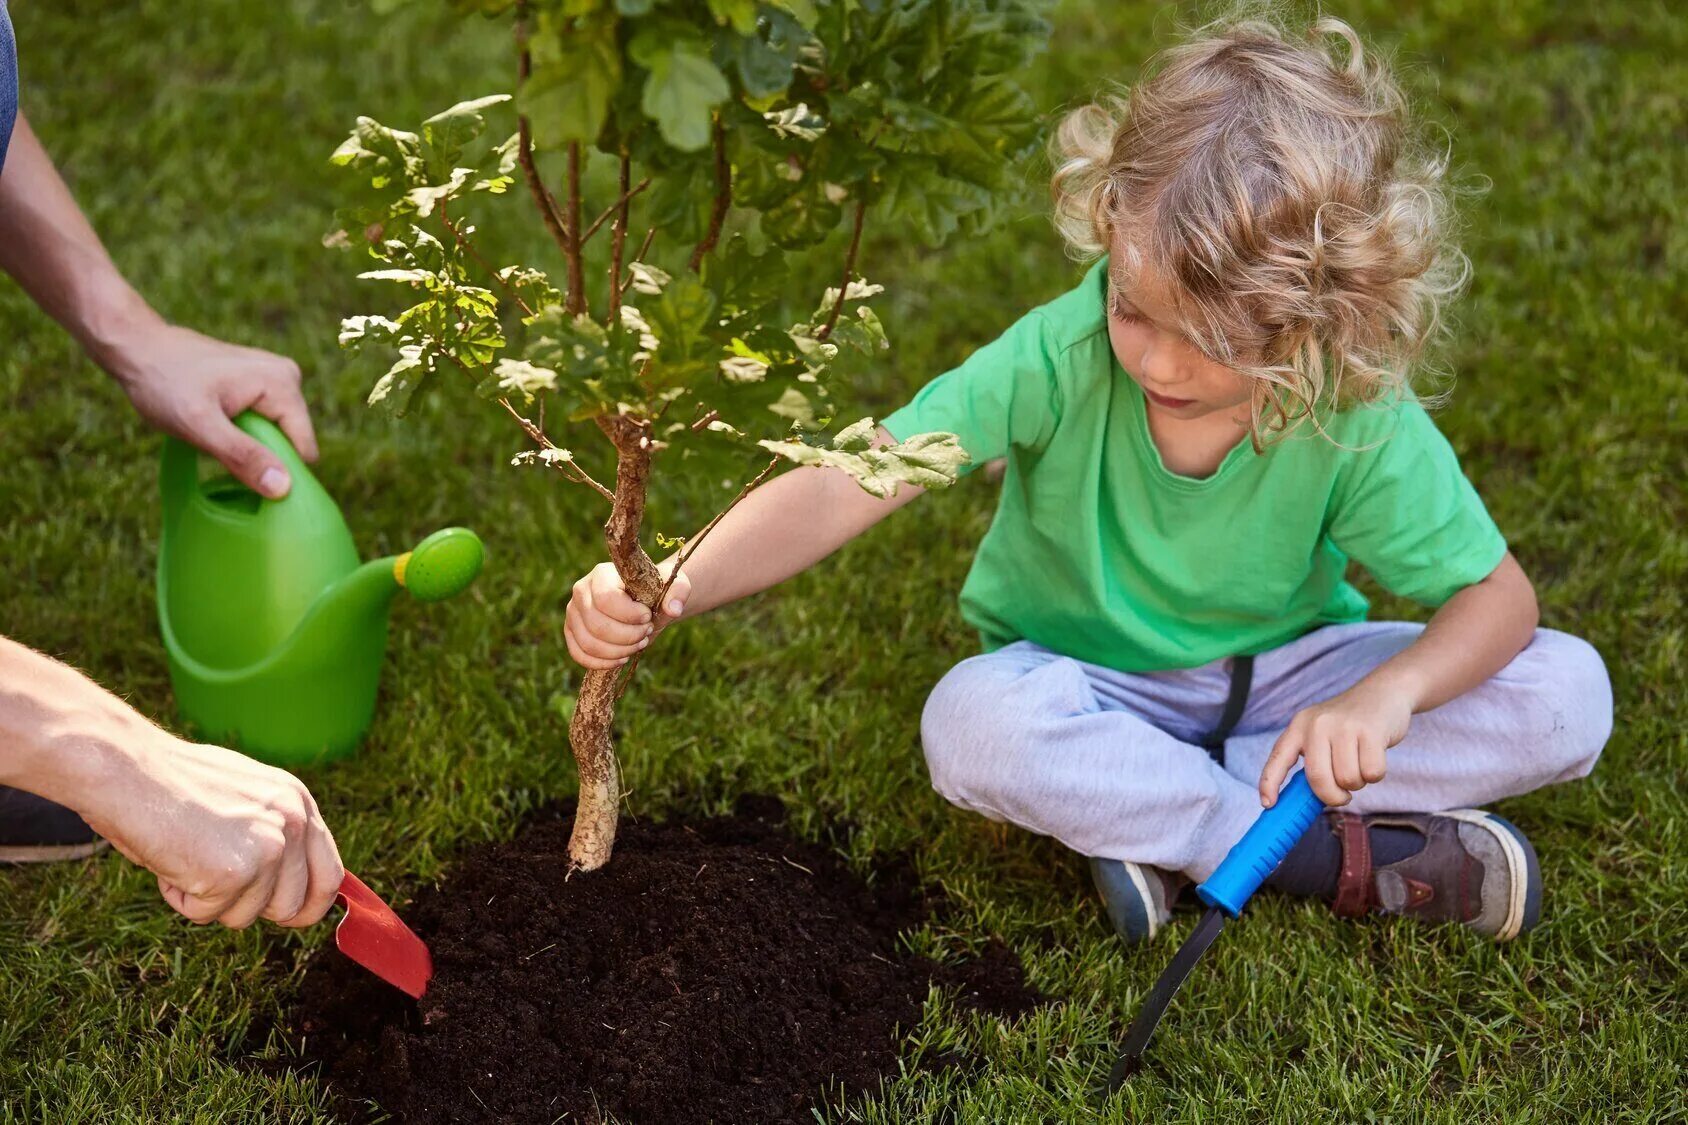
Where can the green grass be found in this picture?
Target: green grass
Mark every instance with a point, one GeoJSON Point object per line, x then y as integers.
{"type": "Point", "coordinates": [195, 136]}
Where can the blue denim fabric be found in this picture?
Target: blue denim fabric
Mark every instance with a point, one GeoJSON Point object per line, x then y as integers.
{"type": "Point", "coordinates": [8, 81]}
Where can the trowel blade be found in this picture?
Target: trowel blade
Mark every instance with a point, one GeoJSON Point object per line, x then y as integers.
{"type": "Point", "coordinates": [373, 936]}
{"type": "Point", "coordinates": [1142, 1028]}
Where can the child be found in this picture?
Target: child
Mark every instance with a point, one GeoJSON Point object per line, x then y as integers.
{"type": "Point", "coordinates": [1198, 439]}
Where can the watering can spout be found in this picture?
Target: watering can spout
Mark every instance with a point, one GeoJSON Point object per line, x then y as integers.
{"type": "Point", "coordinates": [274, 630]}
{"type": "Point", "coordinates": [441, 566]}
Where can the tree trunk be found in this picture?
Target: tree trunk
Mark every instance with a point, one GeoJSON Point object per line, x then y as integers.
{"type": "Point", "coordinates": [590, 731]}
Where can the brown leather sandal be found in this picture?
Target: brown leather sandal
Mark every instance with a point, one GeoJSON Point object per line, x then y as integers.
{"type": "Point", "coordinates": [1475, 868]}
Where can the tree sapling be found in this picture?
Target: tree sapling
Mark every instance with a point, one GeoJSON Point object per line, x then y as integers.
{"type": "Point", "coordinates": [744, 138]}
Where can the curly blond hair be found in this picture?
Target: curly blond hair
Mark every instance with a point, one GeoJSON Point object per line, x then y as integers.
{"type": "Point", "coordinates": [1277, 183]}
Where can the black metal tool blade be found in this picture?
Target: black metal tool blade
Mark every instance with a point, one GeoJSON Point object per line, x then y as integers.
{"type": "Point", "coordinates": [1142, 1028]}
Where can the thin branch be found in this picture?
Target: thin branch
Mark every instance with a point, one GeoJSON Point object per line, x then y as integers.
{"type": "Point", "coordinates": [849, 268]}
{"type": "Point", "coordinates": [723, 197]}
{"type": "Point", "coordinates": [463, 243]}
{"type": "Point", "coordinates": [644, 248]}
{"type": "Point", "coordinates": [686, 553]}
{"type": "Point", "coordinates": [524, 142]}
{"type": "Point", "coordinates": [618, 233]}
{"type": "Point", "coordinates": [705, 420]}
{"type": "Point", "coordinates": [627, 194]}
{"type": "Point", "coordinates": [570, 469]}
{"type": "Point", "coordinates": [571, 222]}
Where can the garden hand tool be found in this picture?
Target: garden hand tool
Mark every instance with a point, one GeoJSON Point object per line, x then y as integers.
{"type": "Point", "coordinates": [1225, 892]}
{"type": "Point", "coordinates": [373, 936]}
{"type": "Point", "coordinates": [274, 630]}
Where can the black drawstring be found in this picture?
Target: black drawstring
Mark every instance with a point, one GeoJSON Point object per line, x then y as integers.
{"type": "Point", "coordinates": [1242, 678]}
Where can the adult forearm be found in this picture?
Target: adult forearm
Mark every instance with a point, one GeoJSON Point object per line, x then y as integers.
{"type": "Point", "coordinates": [48, 246]}
{"type": "Point", "coordinates": [61, 735]}
{"type": "Point", "coordinates": [1473, 635]}
{"type": "Point", "coordinates": [786, 526]}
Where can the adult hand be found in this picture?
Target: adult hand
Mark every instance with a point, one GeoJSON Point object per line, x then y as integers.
{"type": "Point", "coordinates": [1341, 741]}
{"type": "Point", "coordinates": [604, 626]}
{"type": "Point", "coordinates": [190, 386]}
{"type": "Point", "coordinates": [230, 839]}
{"type": "Point", "coordinates": [182, 382]}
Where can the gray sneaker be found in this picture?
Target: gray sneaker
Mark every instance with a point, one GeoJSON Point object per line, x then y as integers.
{"type": "Point", "coordinates": [1138, 897]}
{"type": "Point", "coordinates": [1475, 868]}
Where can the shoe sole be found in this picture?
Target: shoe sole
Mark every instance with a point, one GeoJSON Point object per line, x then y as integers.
{"type": "Point", "coordinates": [1142, 886]}
{"type": "Point", "coordinates": [1139, 924]}
{"type": "Point", "coordinates": [1521, 868]}
{"type": "Point", "coordinates": [49, 853]}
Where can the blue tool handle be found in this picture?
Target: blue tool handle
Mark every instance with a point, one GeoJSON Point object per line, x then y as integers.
{"type": "Point", "coordinates": [1262, 847]}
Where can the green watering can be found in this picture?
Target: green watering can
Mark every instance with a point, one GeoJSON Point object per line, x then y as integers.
{"type": "Point", "coordinates": [274, 631]}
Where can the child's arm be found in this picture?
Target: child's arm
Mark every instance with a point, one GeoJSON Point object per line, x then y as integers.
{"type": "Point", "coordinates": [786, 526]}
{"type": "Point", "coordinates": [1473, 635]}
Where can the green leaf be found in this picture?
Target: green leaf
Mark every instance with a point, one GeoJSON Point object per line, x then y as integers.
{"type": "Point", "coordinates": [517, 377]}
{"type": "Point", "coordinates": [915, 193]}
{"type": "Point", "coordinates": [764, 69]}
{"type": "Point", "coordinates": [931, 460]}
{"type": "Point", "coordinates": [426, 198]}
{"type": "Point", "coordinates": [856, 436]}
{"type": "Point", "coordinates": [394, 390]}
{"type": "Point", "coordinates": [865, 334]}
{"type": "Point", "coordinates": [425, 278]}
{"type": "Point", "coordinates": [803, 11]}
{"type": "Point", "coordinates": [796, 122]}
{"type": "Point", "coordinates": [680, 317]}
{"type": "Point", "coordinates": [449, 130]}
{"type": "Point", "coordinates": [475, 341]}
{"type": "Point", "coordinates": [741, 14]}
{"type": "Point", "coordinates": [387, 154]}
{"type": "Point", "coordinates": [794, 405]}
{"type": "Point", "coordinates": [356, 331]}
{"type": "Point", "coordinates": [683, 86]}
{"type": "Point", "coordinates": [802, 220]}
{"type": "Point", "coordinates": [925, 460]}
{"type": "Point", "coordinates": [531, 285]}
{"type": "Point", "coordinates": [634, 7]}
{"type": "Point", "coordinates": [568, 96]}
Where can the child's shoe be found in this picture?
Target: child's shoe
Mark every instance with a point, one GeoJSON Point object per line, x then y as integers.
{"type": "Point", "coordinates": [1474, 868]}
{"type": "Point", "coordinates": [1139, 898]}
{"type": "Point", "coordinates": [35, 830]}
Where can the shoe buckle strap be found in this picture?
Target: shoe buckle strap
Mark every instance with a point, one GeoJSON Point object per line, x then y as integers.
{"type": "Point", "coordinates": [1354, 893]}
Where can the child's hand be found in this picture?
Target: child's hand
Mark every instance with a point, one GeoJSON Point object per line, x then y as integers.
{"type": "Point", "coordinates": [1342, 742]}
{"type": "Point", "coordinates": [604, 626]}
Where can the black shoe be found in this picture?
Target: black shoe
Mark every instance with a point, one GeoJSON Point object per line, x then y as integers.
{"type": "Point", "coordinates": [35, 830]}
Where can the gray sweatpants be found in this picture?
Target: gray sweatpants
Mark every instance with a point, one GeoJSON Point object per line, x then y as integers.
{"type": "Point", "coordinates": [1110, 763]}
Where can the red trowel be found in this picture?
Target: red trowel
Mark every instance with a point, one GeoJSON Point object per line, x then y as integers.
{"type": "Point", "coordinates": [373, 936]}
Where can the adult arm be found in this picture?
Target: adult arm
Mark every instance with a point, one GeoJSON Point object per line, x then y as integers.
{"type": "Point", "coordinates": [781, 529]}
{"type": "Point", "coordinates": [230, 840]}
{"type": "Point", "coordinates": [182, 382]}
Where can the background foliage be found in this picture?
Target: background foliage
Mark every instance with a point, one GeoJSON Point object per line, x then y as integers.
{"type": "Point", "coordinates": [195, 136]}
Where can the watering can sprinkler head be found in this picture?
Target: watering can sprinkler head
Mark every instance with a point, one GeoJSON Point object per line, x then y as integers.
{"type": "Point", "coordinates": [275, 632]}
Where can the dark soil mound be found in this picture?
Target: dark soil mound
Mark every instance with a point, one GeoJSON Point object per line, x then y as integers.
{"type": "Point", "coordinates": [716, 971]}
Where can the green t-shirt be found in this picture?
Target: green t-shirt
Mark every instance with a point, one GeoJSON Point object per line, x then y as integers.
{"type": "Point", "coordinates": [1098, 551]}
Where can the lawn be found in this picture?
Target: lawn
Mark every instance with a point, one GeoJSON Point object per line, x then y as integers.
{"type": "Point", "coordinates": [196, 137]}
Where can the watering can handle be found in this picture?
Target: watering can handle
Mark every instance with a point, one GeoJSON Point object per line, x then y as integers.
{"type": "Point", "coordinates": [180, 461]}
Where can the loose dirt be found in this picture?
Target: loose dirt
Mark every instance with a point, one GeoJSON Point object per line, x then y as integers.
{"type": "Point", "coordinates": [716, 971]}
